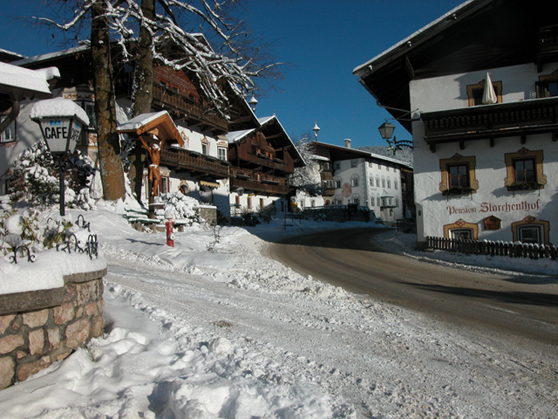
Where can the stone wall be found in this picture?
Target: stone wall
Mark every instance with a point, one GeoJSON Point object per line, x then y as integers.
{"type": "Point", "coordinates": [40, 327]}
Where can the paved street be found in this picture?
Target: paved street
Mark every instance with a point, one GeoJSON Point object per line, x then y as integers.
{"type": "Point", "coordinates": [517, 307]}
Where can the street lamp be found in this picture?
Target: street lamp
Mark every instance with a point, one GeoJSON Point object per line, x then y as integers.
{"type": "Point", "coordinates": [61, 121]}
{"type": "Point", "coordinates": [316, 130]}
{"type": "Point", "coordinates": [386, 131]}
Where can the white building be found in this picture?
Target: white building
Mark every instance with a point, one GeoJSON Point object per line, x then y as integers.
{"type": "Point", "coordinates": [482, 98]}
{"type": "Point", "coordinates": [351, 176]}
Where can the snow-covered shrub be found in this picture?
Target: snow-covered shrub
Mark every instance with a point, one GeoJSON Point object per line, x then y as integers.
{"type": "Point", "coordinates": [266, 214]}
{"type": "Point", "coordinates": [30, 228]}
{"type": "Point", "coordinates": [35, 179]}
{"type": "Point", "coordinates": [183, 207]}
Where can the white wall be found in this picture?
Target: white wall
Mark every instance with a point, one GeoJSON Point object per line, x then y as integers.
{"type": "Point", "coordinates": [492, 197]}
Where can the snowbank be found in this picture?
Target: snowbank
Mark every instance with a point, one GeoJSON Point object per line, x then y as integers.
{"type": "Point", "coordinates": [213, 329]}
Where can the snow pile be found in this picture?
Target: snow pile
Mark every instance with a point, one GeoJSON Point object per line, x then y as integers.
{"type": "Point", "coordinates": [40, 233]}
{"type": "Point", "coordinates": [184, 208]}
{"type": "Point", "coordinates": [228, 333]}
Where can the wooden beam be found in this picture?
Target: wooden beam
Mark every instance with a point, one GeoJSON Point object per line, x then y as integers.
{"type": "Point", "coordinates": [409, 67]}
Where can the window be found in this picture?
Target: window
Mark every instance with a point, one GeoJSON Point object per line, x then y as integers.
{"type": "Point", "coordinates": [461, 230]}
{"type": "Point", "coordinates": [462, 233]}
{"type": "Point", "coordinates": [524, 170]}
{"type": "Point", "coordinates": [337, 166]}
{"type": "Point", "coordinates": [222, 153]}
{"type": "Point", "coordinates": [378, 181]}
{"type": "Point", "coordinates": [547, 86]}
{"type": "Point", "coordinates": [476, 91]}
{"type": "Point", "coordinates": [458, 175]}
{"type": "Point", "coordinates": [531, 230]}
{"type": "Point", "coordinates": [205, 149]}
{"type": "Point", "coordinates": [354, 163]}
{"type": "Point", "coordinates": [383, 182]}
{"type": "Point", "coordinates": [354, 180]}
{"type": "Point", "coordinates": [395, 184]}
{"type": "Point", "coordinates": [530, 234]}
{"type": "Point", "coordinates": [89, 108]}
{"type": "Point", "coordinates": [389, 183]}
{"type": "Point", "coordinates": [9, 134]}
{"type": "Point", "coordinates": [338, 182]}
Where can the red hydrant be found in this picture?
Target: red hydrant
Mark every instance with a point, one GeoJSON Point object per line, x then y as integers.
{"type": "Point", "coordinates": [169, 223]}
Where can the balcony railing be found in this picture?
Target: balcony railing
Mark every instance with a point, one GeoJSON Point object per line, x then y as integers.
{"type": "Point", "coordinates": [194, 162]}
{"type": "Point", "coordinates": [491, 121]}
{"type": "Point", "coordinates": [167, 98]}
{"type": "Point", "coordinates": [251, 185]}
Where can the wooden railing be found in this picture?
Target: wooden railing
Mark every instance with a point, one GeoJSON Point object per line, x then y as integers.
{"type": "Point", "coordinates": [477, 122]}
{"type": "Point", "coordinates": [259, 187]}
{"type": "Point", "coordinates": [493, 248]}
{"type": "Point", "coordinates": [166, 98]}
{"type": "Point", "coordinates": [194, 162]}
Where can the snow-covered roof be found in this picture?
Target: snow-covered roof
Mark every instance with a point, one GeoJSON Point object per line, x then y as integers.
{"type": "Point", "coordinates": [366, 154]}
{"type": "Point", "coordinates": [321, 158]}
{"type": "Point", "coordinates": [234, 136]}
{"type": "Point", "coordinates": [57, 107]}
{"type": "Point", "coordinates": [31, 82]}
{"type": "Point", "coordinates": [150, 121]}
{"type": "Point", "coordinates": [140, 121]}
{"type": "Point", "coordinates": [12, 54]}
{"type": "Point", "coordinates": [51, 55]}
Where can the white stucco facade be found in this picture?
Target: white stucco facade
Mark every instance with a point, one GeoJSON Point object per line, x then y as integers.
{"type": "Point", "coordinates": [493, 210]}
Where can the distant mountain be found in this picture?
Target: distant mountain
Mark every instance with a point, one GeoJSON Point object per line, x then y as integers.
{"type": "Point", "coordinates": [405, 154]}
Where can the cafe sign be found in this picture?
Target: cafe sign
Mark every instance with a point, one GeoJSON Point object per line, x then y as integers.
{"type": "Point", "coordinates": [61, 121]}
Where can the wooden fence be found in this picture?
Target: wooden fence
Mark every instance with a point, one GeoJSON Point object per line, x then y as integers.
{"type": "Point", "coordinates": [492, 248]}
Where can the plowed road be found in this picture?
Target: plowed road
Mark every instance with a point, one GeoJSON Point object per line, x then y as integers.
{"type": "Point", "coordinates": [515, 306]}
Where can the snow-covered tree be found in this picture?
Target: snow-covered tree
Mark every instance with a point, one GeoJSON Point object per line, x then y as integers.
{"type": "Point", "coordinates": [160, 25]}
{"type": "Point", "coordinates": [35, 179]}
{"type": "Point", "coordinates": [225, 54]}
{"type": "Point", "coordinates": [306, 179]}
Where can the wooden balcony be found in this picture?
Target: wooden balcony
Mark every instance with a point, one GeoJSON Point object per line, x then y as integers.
{"type": "Point", "coordinates": [259, 182]}
{"type": "Point", "coordinates": [492, 121]}
{"type": "Point", "coordinates": [196, 113]}
{"type": "Point", "coordinates": [328, 191]}
{"type": "Point", "coordinates": [250, 185]}
{"type": "Point", "coordinates": [195, 163]}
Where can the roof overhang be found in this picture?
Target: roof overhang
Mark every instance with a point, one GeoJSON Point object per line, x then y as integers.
{"type": "Point", "coordinates": [477, 35]}
{"type": "Point", "coordinates": [159, 123]}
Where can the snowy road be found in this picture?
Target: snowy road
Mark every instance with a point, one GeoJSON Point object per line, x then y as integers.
{"type": "Point", "coordinates": [383, 360]}
{"type": "Point", "coordinates": [513, 306]}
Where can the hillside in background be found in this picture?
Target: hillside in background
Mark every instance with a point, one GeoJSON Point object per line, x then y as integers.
{"type": "Point", "coordinates": [405, 154]}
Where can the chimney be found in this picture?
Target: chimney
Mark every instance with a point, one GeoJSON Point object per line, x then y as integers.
{"type": "Point", "coordinates": [347, 143]}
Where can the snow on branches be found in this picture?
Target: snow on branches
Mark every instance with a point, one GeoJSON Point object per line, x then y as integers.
{"type": "Point", "coordinates": [191, 51]}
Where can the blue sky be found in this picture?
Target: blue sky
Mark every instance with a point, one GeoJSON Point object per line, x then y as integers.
{"type": "Point", "coordinates": [321, 43]}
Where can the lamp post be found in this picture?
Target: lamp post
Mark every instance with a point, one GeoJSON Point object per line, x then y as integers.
{"type": "Point", "coordinates": [386, 131]}
{"type": "Point", "coordinates": [61, 121]}
{"type": "Point", "coordinates": [316, 130]}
